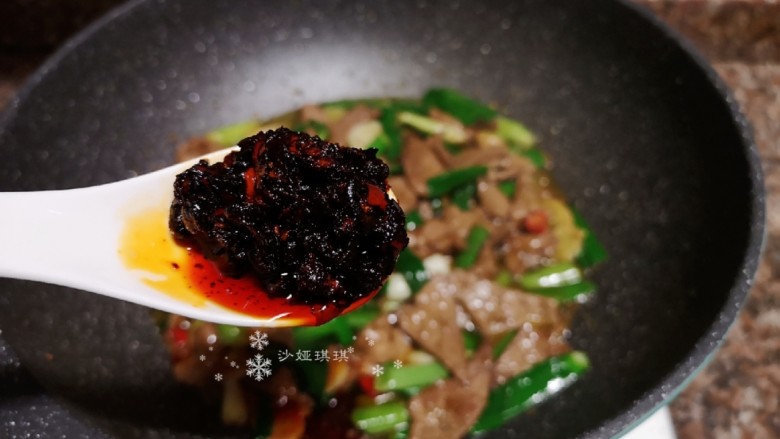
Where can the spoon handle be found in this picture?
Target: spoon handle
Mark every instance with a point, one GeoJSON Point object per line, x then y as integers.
{"type": "Point", "coordinates": [71, 237]}
{"type": "Point", "coordinates": [58, 236]}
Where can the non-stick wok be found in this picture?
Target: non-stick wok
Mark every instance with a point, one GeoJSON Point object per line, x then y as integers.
{"type": "Point", "coordinates": [645, 141]}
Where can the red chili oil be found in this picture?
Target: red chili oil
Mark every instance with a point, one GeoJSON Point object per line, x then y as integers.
{"type": "Point", "coordinates": [187, 275]}
{"type": "Point", "coordinates": [246, 295]}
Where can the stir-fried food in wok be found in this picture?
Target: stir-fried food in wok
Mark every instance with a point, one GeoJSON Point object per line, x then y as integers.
{"type": "Point", "coordinates": [470, 329]}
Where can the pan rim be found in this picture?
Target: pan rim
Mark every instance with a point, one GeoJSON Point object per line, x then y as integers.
{"type": "Point", "coordinates": [70, 44]}
{"type": "Point", "coordinates": [706, 348]}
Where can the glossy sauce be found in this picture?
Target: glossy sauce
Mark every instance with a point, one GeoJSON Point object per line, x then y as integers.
{"type": "Point", "coordinates": [187, 275]}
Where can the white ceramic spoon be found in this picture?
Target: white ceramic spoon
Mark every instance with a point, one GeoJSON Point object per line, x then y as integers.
{"type": "Point", "coordinates": [72, 238]}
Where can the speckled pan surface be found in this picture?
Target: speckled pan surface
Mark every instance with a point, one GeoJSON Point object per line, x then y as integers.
{"type": "Point", "coordinates": [644, 142]}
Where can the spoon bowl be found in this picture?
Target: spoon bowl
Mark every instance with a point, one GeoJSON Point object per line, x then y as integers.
{"type": "Point", "coordinates": [113, 240]}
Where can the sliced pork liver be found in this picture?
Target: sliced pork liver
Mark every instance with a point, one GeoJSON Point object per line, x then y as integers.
{"type": "Point", "coordinates": [448, 409]}
{"type": "Point", "coordinates": [432, 322]}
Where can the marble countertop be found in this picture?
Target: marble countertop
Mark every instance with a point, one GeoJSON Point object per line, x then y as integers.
{"type": "Point", "coordinates": [738, 394]}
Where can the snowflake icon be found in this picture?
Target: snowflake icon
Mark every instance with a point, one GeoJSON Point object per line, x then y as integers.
{"type": "Point", "coordinates": [377, 370]}
{"type": "Point", "coordinates": [258, 340]}
{"type": "Point", "coordinates": [351, 350]}
{"type": "Point", "coordinates": [218, 377]}
{"type": "Point", "coordinates": [371, 341]}
{"type": "Point", "coordinates": [232, 364]}
{"type": "Point", "coordinates": [258, 367]}
{"type": "Point", "coordinates": [202, 357]}
{"type": "Point", "coordinates": [398, 364]}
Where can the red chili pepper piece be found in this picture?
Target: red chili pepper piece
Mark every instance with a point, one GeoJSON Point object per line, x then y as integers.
{"type": "Point", "coordinates": [367, 384]}
{"type": "Point", "coordinates": [536, 222]}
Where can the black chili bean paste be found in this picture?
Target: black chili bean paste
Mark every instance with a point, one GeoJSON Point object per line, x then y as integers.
{"type": "Point", "coordinates": [310, 219]}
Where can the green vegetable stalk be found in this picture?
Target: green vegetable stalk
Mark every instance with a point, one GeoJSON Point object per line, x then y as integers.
{"type": "Point", "coordinates": [400, 434]}
{"type": "Point", "coordinates": [463, 108]}
{"type": "Point", "coordinates": [531, 388]}
{"type": "Point", "coordinates": [476, 239]}
{"type": "Point", "coordinates": [552, 276]}
{"type": "Point", "coordinates": [382, 143]}
{"type": "Point", "coordinates": [515, 133]}
{"type": "Point", "coordinates": [313, 127]}
{"type": "Point", "coordinates": [504, 278]}
{"type": "Point", "coordinates": [391, 128]}
{"type": "Point", "coordinates": [383, 418]}
{"type": "Point", "coordinates": [314, 337]}
{"type": "Point", "coordinates": [463, 195]}
{"type": "Point", "coordinates": [313, 376]}
{"type": "Point", "coordinates": [536, 156]}
{"type": "Point", "coordinates": [361, 317]}
{"type": "Point", "coordinates": [411, 267]}
{"type": "Point", "coordinates": [409, 377]}
{"type": "Point", "coordinates": [446, 182]}
{"type": "Point", "coordinates": [230, 335]}
{"type": "Point", "coordinates": [568, 293]}
{"type": "Point", "coordinates": [451, 133]}
{"type": "Point", "coordinates": [508, 188]}
{"type": "Point", "coordinates": [413, 220]}
{"type": "Point", "coordinates": [593, 252]}
{"type": "Point", "coordinates": [230, 135]}
{"type": "Point", "coordinates": [471, 340]}
{"type": "Point", "coordinates": [503, 343]}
